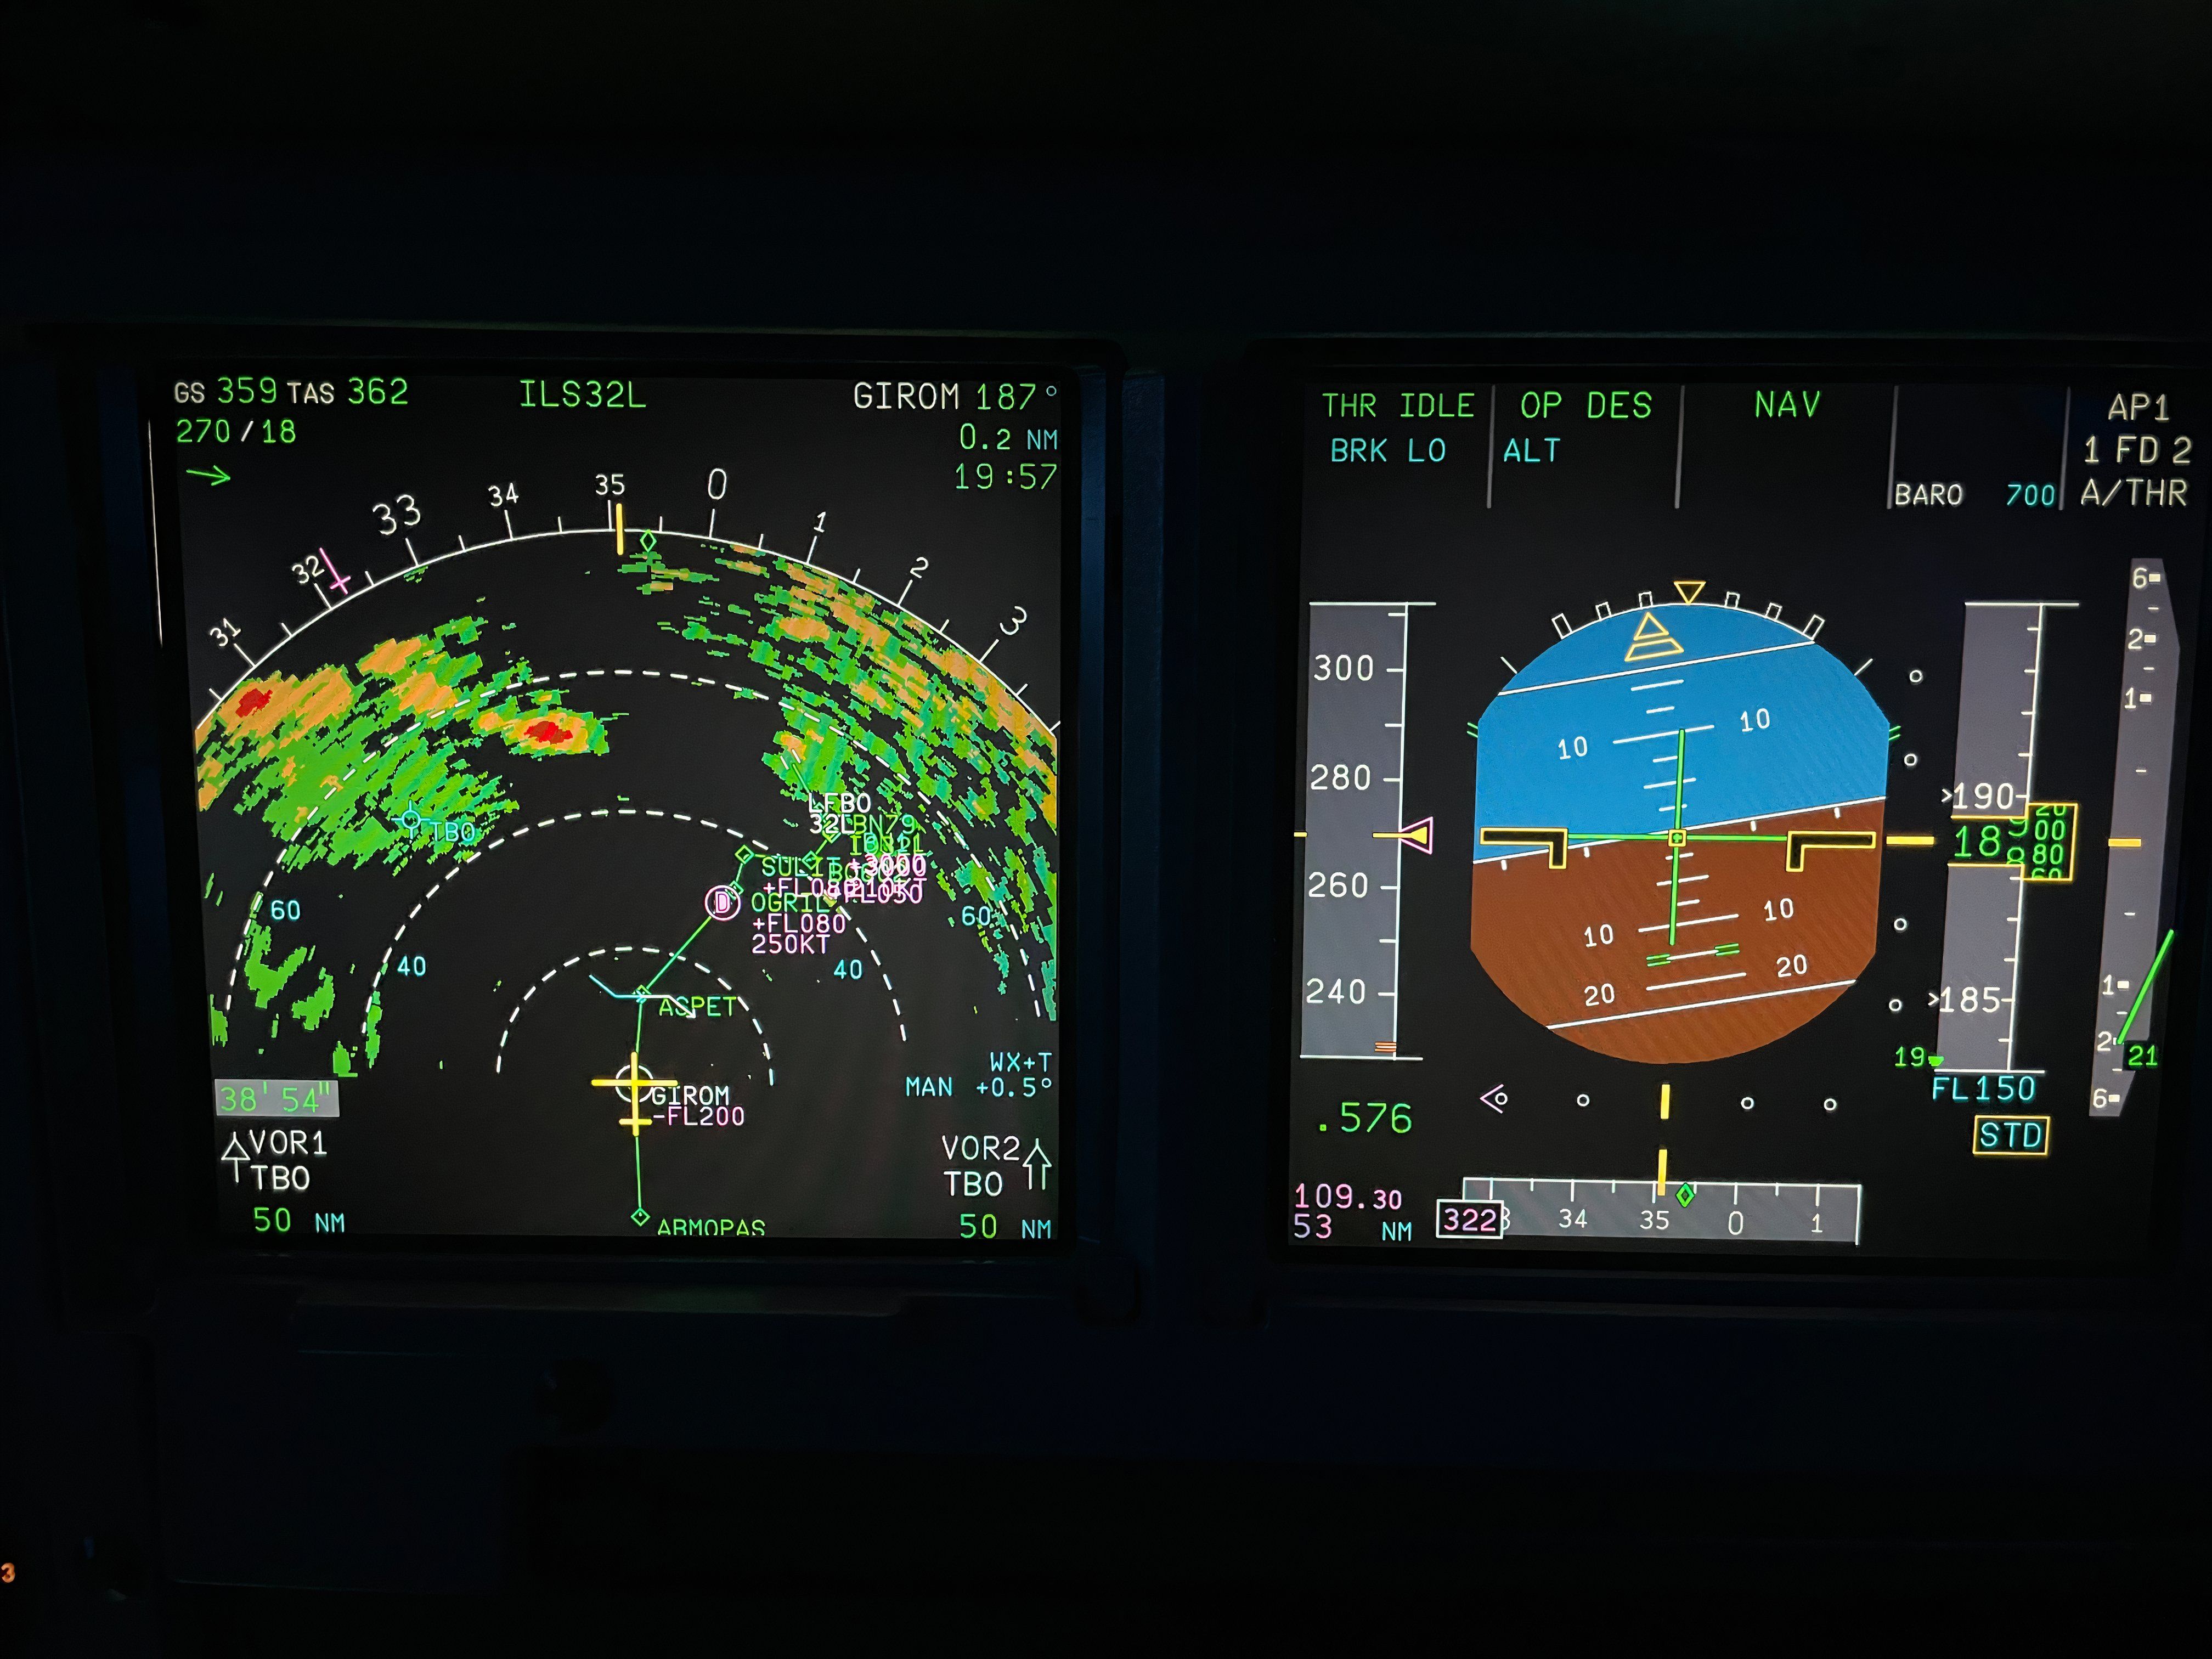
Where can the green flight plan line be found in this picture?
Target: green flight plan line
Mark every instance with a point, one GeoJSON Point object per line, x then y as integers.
{"type": "Point", "coordinates": [640, 996]}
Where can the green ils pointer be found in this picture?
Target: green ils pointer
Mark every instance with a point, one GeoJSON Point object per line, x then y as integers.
{"type": "Point", "coordinates": [214, 477]}
{"type": "Point", "coordinates": [2156, 962]}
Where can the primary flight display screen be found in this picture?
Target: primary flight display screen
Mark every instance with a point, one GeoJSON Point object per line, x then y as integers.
{"type": "Point", "coordinates": [627, 805]}
{"type": "Point", "coordinates": [1739, 815]}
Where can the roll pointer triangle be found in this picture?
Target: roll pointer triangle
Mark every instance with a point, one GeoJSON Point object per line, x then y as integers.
{"type": "Point", "coordinates": [1689, 591]}
{"type": "Point", "coordinates": [1419, 835]}
{"type": "Point", "coordinates": [1651, 640]}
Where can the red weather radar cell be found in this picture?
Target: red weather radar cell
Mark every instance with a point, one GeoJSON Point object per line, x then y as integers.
{"type": "Point", "coordinates": [1678, 825]}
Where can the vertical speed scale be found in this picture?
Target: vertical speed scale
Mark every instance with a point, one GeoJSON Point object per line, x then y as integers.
{"type": "Point", "coordinates": [2143, 776]}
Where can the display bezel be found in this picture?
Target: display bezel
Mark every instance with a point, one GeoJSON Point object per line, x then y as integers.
{"type": "Point", "coordinates": [1090, 370]}
{"type": "Point", "coordinates": [1278, 376]}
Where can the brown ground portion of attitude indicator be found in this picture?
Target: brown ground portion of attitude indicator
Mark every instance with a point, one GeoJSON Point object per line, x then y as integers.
{"type": "Point", "coordinates": [1532, 926]}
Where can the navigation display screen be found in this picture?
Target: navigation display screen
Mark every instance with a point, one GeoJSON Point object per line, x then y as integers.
{"type": "Point", "coordinates": [1739, 816]}
{"type": "Point", "coordinates": [628, 803]}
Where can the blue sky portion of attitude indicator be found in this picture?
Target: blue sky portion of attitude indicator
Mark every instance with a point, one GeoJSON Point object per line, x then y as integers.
{"type": "Point", "coordinates": [1584, 739]}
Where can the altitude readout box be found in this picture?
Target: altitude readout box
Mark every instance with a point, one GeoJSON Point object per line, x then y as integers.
{"type": "Point", "coordinates": [2041, 844]}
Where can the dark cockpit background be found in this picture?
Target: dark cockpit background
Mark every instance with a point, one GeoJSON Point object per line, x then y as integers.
{"type": "Point", "coordinates": [236, 1457]}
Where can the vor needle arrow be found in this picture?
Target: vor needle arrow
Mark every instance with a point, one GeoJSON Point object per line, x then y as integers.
{"type": "Point", "coordinates": [2156, 962]}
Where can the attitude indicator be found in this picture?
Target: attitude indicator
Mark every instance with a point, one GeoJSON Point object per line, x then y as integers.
{"type": "Point", "coordinates": [1677, 810]}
